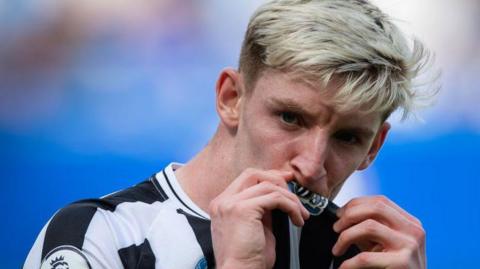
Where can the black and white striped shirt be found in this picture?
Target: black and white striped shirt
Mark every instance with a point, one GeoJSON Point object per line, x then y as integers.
{"type": "Point", "coordinates": [151, 225]}
{"type": "Point", "coordinates": [156, 225]}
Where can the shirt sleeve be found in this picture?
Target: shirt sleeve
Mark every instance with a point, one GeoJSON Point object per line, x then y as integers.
{"type": "Point", "coordinates": [77, 236]}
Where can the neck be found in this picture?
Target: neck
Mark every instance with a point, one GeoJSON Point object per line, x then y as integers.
{"type": "Point", "coordinates": [205, 176]}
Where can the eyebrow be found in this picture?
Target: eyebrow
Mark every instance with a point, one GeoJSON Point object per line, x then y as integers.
{"type": "Point", "coordinates": [291, 105]}
{"type": "Point", "coordinates": [365, 132]}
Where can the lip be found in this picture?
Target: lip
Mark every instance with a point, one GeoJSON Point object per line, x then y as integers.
{"type": "Point", "coordinates": [311, 188]}
{"type": "Point", "coordinates": [316, 185]}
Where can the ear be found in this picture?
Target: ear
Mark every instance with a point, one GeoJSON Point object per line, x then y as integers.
{"type": "Point", "coordinates": [376, 145]}
{"type": "Point", "coordinates": [229, 91]}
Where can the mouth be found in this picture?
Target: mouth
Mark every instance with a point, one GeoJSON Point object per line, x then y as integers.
{"type": "Point", "coordinates": [313, 202]}
{"type": "Point", "coordinates": [317, 184]}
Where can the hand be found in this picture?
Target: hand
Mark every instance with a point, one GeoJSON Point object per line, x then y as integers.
{"type": "Point", "coordinates": [389, 236]}
{"type": "Point", "coordinates": [241, 221]}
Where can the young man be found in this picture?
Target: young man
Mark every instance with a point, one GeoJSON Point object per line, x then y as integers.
{"type": "Point", "coordinates": [316, 82]}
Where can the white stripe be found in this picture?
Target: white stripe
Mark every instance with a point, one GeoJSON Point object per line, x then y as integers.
{"type": "Point", "coordinates": [110, 231]}
{"type": "Point", "coordinates": [173, 241]}
{"type": "Point", "coordinates": [294, 245]}
{"type": "Point", "coordinates": [171, 237]}
{"type": "Point", "coordinates": [130, 222]}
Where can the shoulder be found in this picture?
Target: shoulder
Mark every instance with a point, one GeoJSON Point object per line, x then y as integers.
{"type": "Point", "coordinates": [72, 223]}
{"type": "Point", "coordinates": [98, 227]}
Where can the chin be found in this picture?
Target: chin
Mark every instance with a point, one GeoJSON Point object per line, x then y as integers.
{"type": "Point", "coordinates": [334, 192]}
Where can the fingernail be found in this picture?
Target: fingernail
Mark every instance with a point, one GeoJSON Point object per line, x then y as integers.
{"type": "Point", "coordinates": [334, 250]}
{"type": "Point", "coordinates": [306, 211]}
{"type": "Point", "coordinates": [336, 227]}
{"type": "Point", "coordinates": [302, 222]}
{"type": "Point", "coordinates": [339, 212]}
{"type": "Point", "coordinates": [308, 215]}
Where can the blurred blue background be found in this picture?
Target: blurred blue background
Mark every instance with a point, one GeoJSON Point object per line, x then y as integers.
{"type": "Point", "coordinates": [98, 95]}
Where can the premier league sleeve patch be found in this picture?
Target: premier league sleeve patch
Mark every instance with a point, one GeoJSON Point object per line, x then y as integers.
{"type": "Point", "coordinates": [65, 257]}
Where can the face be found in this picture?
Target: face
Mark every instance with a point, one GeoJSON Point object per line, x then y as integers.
{"type": "Point", "coordinates": [287, 125]}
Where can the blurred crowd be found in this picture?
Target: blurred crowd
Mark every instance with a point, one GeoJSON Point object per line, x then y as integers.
{"type": "Point", "coordinates": [115, 67]}
{"type": "Point", "coordinates": [107, 71]}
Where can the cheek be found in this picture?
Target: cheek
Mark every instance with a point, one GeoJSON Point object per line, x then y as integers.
{"type": "Point", "coordinates": [340, 165]}
{"type": "Point", "coordinates": [269, 145]}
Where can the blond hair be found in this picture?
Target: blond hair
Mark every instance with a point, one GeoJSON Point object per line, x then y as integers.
{"type": "Point", "coordinates": [351, 41]}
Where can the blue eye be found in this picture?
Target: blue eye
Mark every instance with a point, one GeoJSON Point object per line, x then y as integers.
{"type": "Point", "coordinates": [289, 118]}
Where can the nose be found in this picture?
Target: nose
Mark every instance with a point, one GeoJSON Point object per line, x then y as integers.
{"type": "Point", "coordinates": [309, 161]}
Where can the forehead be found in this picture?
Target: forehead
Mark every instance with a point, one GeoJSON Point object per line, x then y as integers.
{"type": "Point", "coordinates": [283, 89]}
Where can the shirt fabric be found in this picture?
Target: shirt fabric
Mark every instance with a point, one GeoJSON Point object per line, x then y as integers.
{"type": "Point", "coordinates": [153, 224]}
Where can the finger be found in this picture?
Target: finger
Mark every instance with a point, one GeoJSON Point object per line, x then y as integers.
{"type": "Point", "coordinates": [383, 210]}
{"type": "Point", "coordinates": [253, 176]}
{"type": "Point", "coordinates": [378, 211]}
{"type": "Point", "coordinates": [378, 199]}
{"type": "Point", "coordinates": [368, 260]}
{"type": "Point", "coordinates": [368, 233]}
{"type": "Point", "coordinates": [275, 200]}
{"type": "Point", "coordinates": [268, 187]}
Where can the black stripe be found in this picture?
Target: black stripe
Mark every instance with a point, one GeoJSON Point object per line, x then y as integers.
{"type": "Point", "coordinates": [201, 229]}
{"type": "Point", "coordinates": [317, 240]}
{"type": "Point", "coordinates": [178, 198]}
{"type": "Point", "coordinates": [143, 192]}
{"type": "Point", "coordinates": [68, 227]}
{"type": "Point", "coordinates": [281, 231]}
{"type": "Point", "coordinates": [136, 257]}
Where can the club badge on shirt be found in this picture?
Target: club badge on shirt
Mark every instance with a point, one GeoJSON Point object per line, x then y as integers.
{"type": "Point", "coordinates": [65, 257]}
